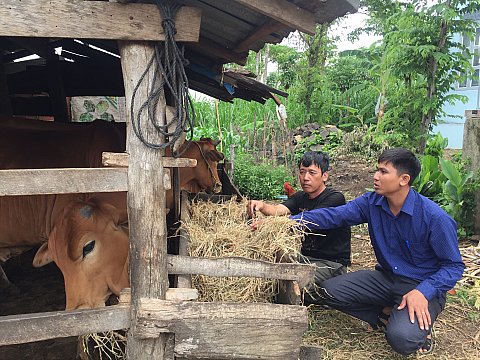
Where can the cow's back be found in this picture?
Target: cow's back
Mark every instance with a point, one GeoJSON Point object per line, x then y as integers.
{"type": "Point", "coordinates": [28, 220]}
{"type": "Point", "coordinates": [34, 144]}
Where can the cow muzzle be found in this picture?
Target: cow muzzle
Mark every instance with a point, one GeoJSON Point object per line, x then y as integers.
{"type": "Point", "coordinates": [217, 188]}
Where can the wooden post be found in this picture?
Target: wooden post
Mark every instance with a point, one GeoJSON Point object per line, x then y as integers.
{"type": "Point", "coordinates": [471, 150]}
{"type": "Point", "coordinates": [265, 130]}
{"type": "Point", "coordinates": [146, 202]}
{"type": "Point", "coordinates": [274, 140]}
{"type": "Point", "coordinates": [218, 124]}
{"type": "Point", "coordinates": [283, 123]}
{"type": "Point", "coordinates": [232, 153]}
{"type": "Point", "coordinates": [184, 281]}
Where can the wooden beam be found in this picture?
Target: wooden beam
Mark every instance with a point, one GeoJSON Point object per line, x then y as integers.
{"type": "Point", "coordinates": [93, 20]}
{"type": "Point", "coordinates": [225, 330]}
{"type": "Point", "coordinates": [284, 12]}
{"type": "Point", "coordinates": [172, 294]}
{"type": "Point", "coordinates": [121, 160]}
{"type": "Point", "coordinates": [222, 53]}
{"type": "Point", "coordinates": [18, 329]}
{"type": "Point", "coordinates": [258, 34]}
{"type": "Point", "coordinates": [242, 327]}
{"type": "Point", "coordinates": [62, 181]}
{"type": "Point", "coordinates": [184, 280]}
{"type": "Point", "coordinates": [236, 266]}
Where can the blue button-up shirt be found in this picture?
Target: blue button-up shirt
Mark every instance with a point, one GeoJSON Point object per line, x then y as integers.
{"type": "Point", "coordinates": [419, 243]}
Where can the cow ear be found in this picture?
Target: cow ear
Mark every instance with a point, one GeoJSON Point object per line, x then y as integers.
{"type": "Point", "coordinates": [42, 257]}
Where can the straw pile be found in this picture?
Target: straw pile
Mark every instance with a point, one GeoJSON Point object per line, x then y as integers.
{"type": "Point", "coordinates": [223, 230]}
{"type": "Point", "coordinates": [471, 258]}
{"type": "Point", "coordinates": [108, 345]}
{"type": "Point", "coordinates": [471, 275]}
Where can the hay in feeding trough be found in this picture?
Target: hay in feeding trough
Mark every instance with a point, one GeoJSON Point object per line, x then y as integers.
{"type": "Point", "coordinates": [223, 230]}
{"type": "Point", "coordinates": [107, 345]}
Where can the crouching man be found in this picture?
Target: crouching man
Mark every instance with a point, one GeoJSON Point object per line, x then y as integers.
{"type": "Point", "coordinates": [416, 247]}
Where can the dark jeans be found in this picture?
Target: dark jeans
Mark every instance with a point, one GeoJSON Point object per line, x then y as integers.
{"type": "Point", "coordinates": [326, 269]}
{"type": "Point", "coordinates": [363, 294]}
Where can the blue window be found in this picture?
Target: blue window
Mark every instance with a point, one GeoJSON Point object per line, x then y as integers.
{"type": "Point", "coordinates": [474, 47]}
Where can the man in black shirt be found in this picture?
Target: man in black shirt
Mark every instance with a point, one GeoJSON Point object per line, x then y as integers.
{"type": "Point", "coordinates": [328, 249]}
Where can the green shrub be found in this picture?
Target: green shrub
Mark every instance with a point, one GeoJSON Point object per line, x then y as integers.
{"type": "Point", "coordinates": [366, 142]}
{"type": "Point", "coordinates": [328, 144]}
{"type": "Point", "coordinates": [263, 181]}
{"type": "Point", "coordinates": [430, 181]}
{"type": "Point", "coordinates": [448, 183]}
{"type": "Point", "coordinates": [436, 145]}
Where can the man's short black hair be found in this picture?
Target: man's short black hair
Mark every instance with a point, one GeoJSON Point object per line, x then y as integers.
{"type": "Point", "coordinates": [317, 158]}
{"type": "Point", "coordinates": [403, 160]}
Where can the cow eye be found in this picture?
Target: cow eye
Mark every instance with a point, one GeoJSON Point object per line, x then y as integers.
{"type": "Point", "coordinates": [88, 248]}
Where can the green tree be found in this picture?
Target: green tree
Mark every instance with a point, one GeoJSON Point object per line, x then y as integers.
{"type": "Point", "coordinates": [353, 77]}
{"type": "Point", "coordinates": [420, 57]}
{"type": "Point", "coordinates": [286, 59]}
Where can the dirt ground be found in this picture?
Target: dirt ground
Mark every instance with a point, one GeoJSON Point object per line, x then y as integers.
{"type": "Point", "coordinates": [457, 330]}
{"type": "Point", "coordinates": [339, 336]}
{"type": "Point", "coordinates": [352, 176]}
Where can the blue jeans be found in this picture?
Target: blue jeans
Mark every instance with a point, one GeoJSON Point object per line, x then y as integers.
{"type": "Point", "coordinates": [363, 294]}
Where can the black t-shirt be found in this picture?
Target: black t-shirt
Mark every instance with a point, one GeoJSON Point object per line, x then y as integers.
{"type": "Point", "coordinates": [335, 245]}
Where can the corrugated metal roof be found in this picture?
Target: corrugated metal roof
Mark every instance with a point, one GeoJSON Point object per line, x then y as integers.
{"type": "Point", "coordinates": [229, 29]}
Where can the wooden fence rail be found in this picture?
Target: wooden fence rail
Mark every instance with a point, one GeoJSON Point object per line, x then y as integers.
{"type": "Point", "coordinates": [17, 329]}
{"type": "Point", "coordinates": [196, 326]}
{"type": "Point", "coordinates": [237, 267]}
{"type": "Point", "coordinates": [77, 180]}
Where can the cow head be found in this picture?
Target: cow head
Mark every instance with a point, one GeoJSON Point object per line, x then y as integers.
{"type": "Point", "coordinates": [91, 249]}
{"type": "Point", "coordinates": [204, 176]}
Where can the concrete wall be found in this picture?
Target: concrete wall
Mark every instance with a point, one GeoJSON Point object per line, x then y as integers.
{"type": "Point", "coordinates": [471, 150]}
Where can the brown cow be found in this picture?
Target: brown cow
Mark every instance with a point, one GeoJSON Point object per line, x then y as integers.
{"type": "Point", "coordinates": [28, 220]}
{"type": "Point", "coordinates": [74, 228]}
{"type": "Point", "coordinates": [68, 146]}
{"type": "Point", "coordinates": [90, 247]}
{"type": "Point", "coordinates": [35, 144]}
{"type": "Point", "coordinates": [95, 265]}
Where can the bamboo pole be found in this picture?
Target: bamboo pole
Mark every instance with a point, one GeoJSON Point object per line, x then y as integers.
{"type": "Point", "coordinates": [283, 123]}
{"type": "Point", "coordinates": [218, 124]}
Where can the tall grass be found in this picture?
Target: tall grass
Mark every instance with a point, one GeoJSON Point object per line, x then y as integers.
{"type": "Point", "coordinates": [237, 122]}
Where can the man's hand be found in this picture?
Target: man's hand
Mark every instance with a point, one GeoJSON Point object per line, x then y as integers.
{"type": "Point", "coordinates": [256, 223]}
{"type": "Point", "coordinates": [417, 304]}
{"type": "Point", "coordinates": [253, 206]}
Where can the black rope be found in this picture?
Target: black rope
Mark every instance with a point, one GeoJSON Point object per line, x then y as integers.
{"type": "Point", "coordinates": [169, 70]}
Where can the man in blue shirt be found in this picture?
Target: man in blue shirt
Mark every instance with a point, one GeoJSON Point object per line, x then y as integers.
{"type": "Point", "coordinates": [416, 246]}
